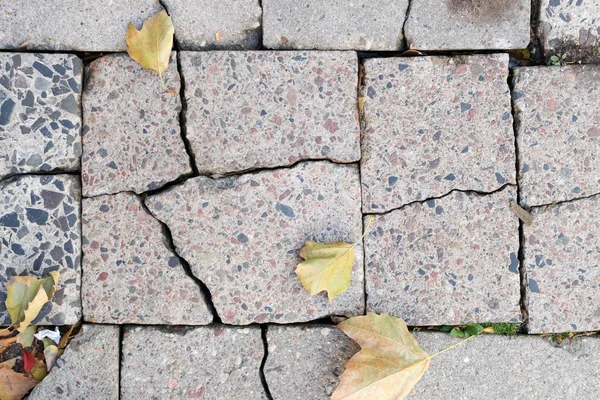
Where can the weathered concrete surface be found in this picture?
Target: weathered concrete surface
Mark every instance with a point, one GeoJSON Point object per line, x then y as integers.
{"type": "Point", "coordinates": [40, 232]}
{"type": "Point", "coordinates": [241, 236]}
{"type": "Point", "coordinates": [88, 369]}
{"type": "Point", "coordinates": [334, 25]}
{"type": "Point", "coordinates": [129, 273]}
{"type": "Point", "coordinates": [562, 249]}
{"type": "Point", "coordinates": [131, 134]}
{"type": "Point", "coordinates": [98, 25]}
{"type": "Point", "coordinates": [40, 119]}
{"type": "Point", "coordinates": [305, 362]}
{"type": "Point", "coordinates": [570, 28]}
{"type": "Point", "coordinates": [455, 129]}
{"type": "Point", "coordinates": [216, 24]}
{"type": "Point", "coordinates": [468, 24]}
{"type": "Point", "coordinates": [267, 109]}
{"type": "Point", "coordinates": [183, 363]}
{"type": "Point", "coordinates": [447, 261]}
{"type": "Point", "coordinates": [558, 132]}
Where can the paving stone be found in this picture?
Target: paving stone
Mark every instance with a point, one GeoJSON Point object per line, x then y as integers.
{"type": "Point", "coordinates": [191, 363]}
{"type": "Point", "coordinates": [40, 119]}
{"type": "Point", "coordinates": [40, 232]}
{"type": "Point", "coordinates": [570, 28]}
{"type": "Point", "coordinates": [216, 24]}
{"type": "Point", "coordinates": [241, 236]}
{"type": "Point", "coordinates": [305, 362]}
{"type": "Point", "coordinates": [446, 261]}
{"type": "Point", "coordinates": [267, 109]}
{"type": "Point", "coordinates": [131, 134]}
{"type": "Point", "coordinates": [334, 25]}
{"type": "Point", "coordinates": [557, 132]}
{"type": "Point", "coordinates": [468, 24]}
{"type": "Point", "coordinates": [88, 369]}
{"type": "Point", "coordinates": [130, 275]}
{"type": "Point", "coordinates": [561, 255]}
{"type": "Point", "coordinates": [456, 130]}
{"type": "Point", "coordinates": [98, 25]}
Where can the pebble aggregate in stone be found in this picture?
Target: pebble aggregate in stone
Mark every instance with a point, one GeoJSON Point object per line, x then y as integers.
{"type": "Point", "coordinates": [558, 132]}
{"type": "Point", "coordinates": [88, 369]}
{"type": "Point", "coordinates": [266, 109]}
{"type": "Point", "coordinates": [40, 119]}
{"type": "Point", "coordinates": [192, 363]}
{"type": "Point", "coordinates": [446, 261]}
{"type": "Point", "coordinates": [131, 134]}
{"type": "Point", "coordinates": [130, 276]}
{"type": "Point", "coordinates": [334, 25]}
{"type": "Point", "coordinates": [434, 124]}
{"type": "Point", "coordinates": [39, 233]}
{"type": "Point", "coordinates": [241, 236]}
{"type": "Point", "coordinates": [562, 249]}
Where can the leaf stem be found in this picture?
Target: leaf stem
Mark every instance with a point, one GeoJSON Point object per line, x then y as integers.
{"type": "Point", "coordinates": [371, 218]}
{"type": "Point", "coordinates": [450, 348]}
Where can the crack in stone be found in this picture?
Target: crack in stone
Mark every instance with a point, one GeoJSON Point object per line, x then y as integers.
{"type": "Point", "coordinates": [261, 371]}
{"type": "Point", "coordinates": [405, 44]}
{"type": "Point", "coordinates": [53, 172]}
{"type": "Point", "coordinates": [557, 203]}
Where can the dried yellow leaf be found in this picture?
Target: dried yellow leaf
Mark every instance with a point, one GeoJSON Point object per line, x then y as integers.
{"type": "Point", "coordinates": [13, 385]}
{"type": "Point", "coordinates": [521, 213]}
{"type": "Point", "coordinates": [218, 35]}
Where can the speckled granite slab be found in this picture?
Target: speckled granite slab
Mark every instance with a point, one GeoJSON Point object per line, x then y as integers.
{"type": "Point", "coordinates": [40, 112]}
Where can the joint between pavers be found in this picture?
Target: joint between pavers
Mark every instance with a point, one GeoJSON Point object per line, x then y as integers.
{"type": "Point", "coordinates": [404, 43]}
{"type": "Point", "coordinates": [263, 334]}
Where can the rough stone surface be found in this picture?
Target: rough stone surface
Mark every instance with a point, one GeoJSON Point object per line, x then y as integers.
{"type": "Point", "coordinates": [40, 232]}
{"type": "Point", "coordinates": [468, 24]}
{"type": "Point", "coordinates": [455, 133]}
{"type": "Point", "coordinates": [558, 132]}
{"type": "Point", "coordinates": [562, 249]}
{"type": "Point", "coordinates": [334, 25]}
{"type": "Point", "coordinates": [98, 25]}
{"type": "Point", "coordinates": [267, 109]}
{"type": "Point", "coordinates": [241, 236]}
{"type": "Point", "coordinates": [570, 28]}
{"type": "Point", "coordinates": [215, 24]}
{"type": "Point", "coordinates": [306, 362]}
{"type": "Point", "coordinates": [40, 119]}
{"type": "Point", "coordinates": [88, 369]}
{"type": "Point", "coordinates": [203, 363]}
{"type": "Point", "coordinates": [447, 261]}
{"type": "Point", "coordinates": [131, 134]}
{"type": "Point", "coordinates": [129, 274]}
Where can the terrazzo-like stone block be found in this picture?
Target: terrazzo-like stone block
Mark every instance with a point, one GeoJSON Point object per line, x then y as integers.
{"type": "Point", "coordinates": [131, 133]}
{"type": "Point", "coordinates": [88, 369]}
{"type": "Point", "coordinates": [468, 24]}
{"type": "Point", "coordinates": [432, 125]}
{"type": "Point", "coordinates": [40, 232]}
{"type": "Point", "coordinates": [334, 25]}
{"type": "Point", "coordinates": [216, 24]}
{"type": "Point", "coordinates": [129, 273]}
{"type": "Point", "coordinates": [192, 363]}
{"type": "Point", "coordinates": [558, 132]}
{"type": "Point", "coordinates": [570, 28]}
{"type": "Point", "coordinates": [447, 261]}
{"type": "Point", "coordinates": [241, 236]}
{"type": "Point", "coordinates": [250, 110]}
{"type": "Point", "coordinates": [40, 112]}
{"type": "Point", "coordinates": [562, 249]}
{"type": "Point", "coordinates": [98, 25]}
{"type": "Point", "coordinates": [305, 362]}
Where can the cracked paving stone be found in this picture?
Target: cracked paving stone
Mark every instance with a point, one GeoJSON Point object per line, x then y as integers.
{"type": "Point", "coordinates": [88, 369]}
{"type": "Point", "coordinates": [562, 249]}
{"type": "Point", "coordinates": [129, 274]}
{"type": "Point", "coordinates": [211, 363]}
{"type": "Point", "coordinates": [241, 236]}
{"type": "Point", "coordinates": [558, 132]}
{"type": "Point", "coordinates": [260, 109]}
{"type": "Point", "coordinates": [131, 133]}
{"type": "Point", "coordinates": [39, 233]}
{"type": "Point", "coordinates": [447, 261]}
{"type": "Point", "coordinates": [456, 130]}
{"type": "Point", "coordinates": [40, 118]}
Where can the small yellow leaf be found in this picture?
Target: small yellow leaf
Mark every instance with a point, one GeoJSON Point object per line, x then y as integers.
{"type": "Point", "coordinates": [489, 329]}
{"type": "Point", "coordinates": [25, 337]}
{"type": "Point", "coordinates": [25, 296]}
{"type": "Point", "coordinates": [523, 214]}
{"type": "Point", "coordinates": [13, 385]}
{"type": "Point", "coordinates": [218, 35]}
{"type": "Point", "coordinates": [361, 103]}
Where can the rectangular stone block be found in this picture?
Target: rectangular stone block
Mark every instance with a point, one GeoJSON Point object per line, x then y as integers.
{"type": "Point", "coordinates": [250, 110]}
{"type": "Point", "coordinates": [432, 125]}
